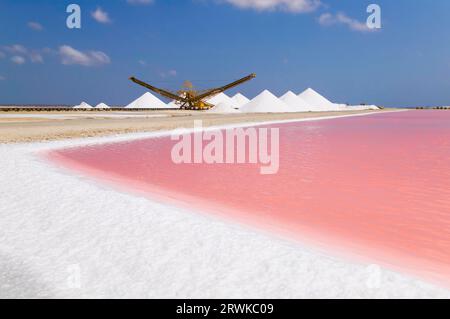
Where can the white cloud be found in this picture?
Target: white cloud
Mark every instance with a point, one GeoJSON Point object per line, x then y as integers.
{"type": "Point", "coordinates": [71, 56]}
{"type": "Point", "coordinates": [36, 57]}
{"type": "Point", "coordinates": [101, 16]}
{"type": "Point", "coordinates": [328, 19]}
{"type": "Point", "coordinates": [19, 54]}
{"type": "Point", "coordinates": [35, 26]}
{"type": "Point", "coordinates": [170, 73]}
{"type": "Point", "coordinates": [140, 2]}
{"type": "Point", "coordinates": [16, 49]}
{"type": "Point", "coordinates": [18, 60]}
{"type": "Point", "coordinates": [294, 6]}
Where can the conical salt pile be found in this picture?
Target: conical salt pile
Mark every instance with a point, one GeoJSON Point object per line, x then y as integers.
{"type": "Point", "coordinates": [266, 102]}
{"type": "Point", "coordinates": [83, 105]}
{"type": "Point", "coordinates": [173, 105]}
{"type": "Point", "coordinates": [102, 106]}
{"type": "Point", "coordinates": [317, 102]}
{"type": "Point", "coordinates": [147, 101]}
{"type": "Point", "coordinates": [223, 108]}
{"type": "Point", "coordinates": [240, 100]}
{"type": "Point", "coordinates": [295, 102]}
{"type": "Point", "coordinates": [220, 98]}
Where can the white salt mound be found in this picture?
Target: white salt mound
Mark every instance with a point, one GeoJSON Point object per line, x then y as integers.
{"type": "Point", "coordinates": [266, 102]}
{"type": "Point", "coordinates": [83, 105]}
{"type": "Point", "coordinates": [317, 102]}
{"type": "Point", "coordinates": [296, 103]}
{"type": "Point", "coordinates": [220, 98]}
{"type": "Point", "coordinates": [360, 107]}
{"type": "Point", "coordinates": [240, 100]}
{"type": "Point", "coordinates": [102, 106]}
{"type": "Point", "coordinates": [147, 101]}
{"type": "Point", "coordinates": [173, 105]}
{"type": "Point", "coordinates": [223, 108]}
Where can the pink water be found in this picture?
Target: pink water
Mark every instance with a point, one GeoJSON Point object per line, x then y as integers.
{"type": "Point", "coordinates": [376, 186]}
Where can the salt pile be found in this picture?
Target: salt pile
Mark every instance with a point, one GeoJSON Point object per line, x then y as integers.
{"type": "Point", "coordinates": [240, 100]}
{"type": "Point", "coordinates": [360, 107]}
{"type": "Point", "coordinates": [223, 108]}
{"type": "Point", "coordinates": [296, 103]}
{"type": "Point", "coordinates": [173, 105]}
{"type": "Point", "coordinates": [147, 101]}
{"type": "Point", "coordinates": [102, 106]}
{"type": "Point", "coordinates": [320, 103]}
{"type": "Point", "coordinates": [317, 102]}
{"type": "Point", "coordinates": [266, 102]}
{"type": "Point", "coordinates": [83, 105]}
{"type": "Point", "coordinates": [220, 98]}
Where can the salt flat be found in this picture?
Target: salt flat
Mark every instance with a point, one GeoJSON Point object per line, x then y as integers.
{"type": "Point", "coordinates": [39, 126]}
{"type": "Point", "coordinates": [63, 235]}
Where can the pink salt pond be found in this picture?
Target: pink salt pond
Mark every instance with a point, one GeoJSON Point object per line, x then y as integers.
{"type": "Point", "coordinates": [376, 187]}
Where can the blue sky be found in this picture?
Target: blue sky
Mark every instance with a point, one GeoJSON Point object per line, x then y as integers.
{"type": "Point", "coordinates": [211, 42]}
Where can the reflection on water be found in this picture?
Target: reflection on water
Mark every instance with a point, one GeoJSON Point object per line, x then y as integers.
{"type": "Point", "coordinates": [378, 186]}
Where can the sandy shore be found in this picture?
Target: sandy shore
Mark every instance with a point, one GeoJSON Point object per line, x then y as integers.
{"type": "Point", "coordinates": [43, 126]}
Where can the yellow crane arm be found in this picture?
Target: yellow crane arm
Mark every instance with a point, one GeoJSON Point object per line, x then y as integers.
{"type": "Point", "coordinates": [162, 92]}
{"type": "Point", "coordinates": [223, 88]}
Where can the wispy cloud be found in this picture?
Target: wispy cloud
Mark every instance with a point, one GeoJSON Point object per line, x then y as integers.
{"type": "Point", "coordinates": [20, 54]}
{"type": "Point", "coordinates": [36, 26]}
{"type": "Point", "coordinates": [293, 6]}
{"type": "Point", "coordinates": [101, 16]}
{"type": "Point", "coordinates": [71, 56]}
{"type": "Point", "coordinates": [140, 2]}
{"type": "Point", "coordinates": [16, 49]}
{"type": "Point", "coordinates": [328, 19]}
{"type": "Point", "coordinates": [18, 60]}
{"type": "Point", "coordinates": [36, 57]}
{"type": "Point", "coordinates": [170, 73]}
